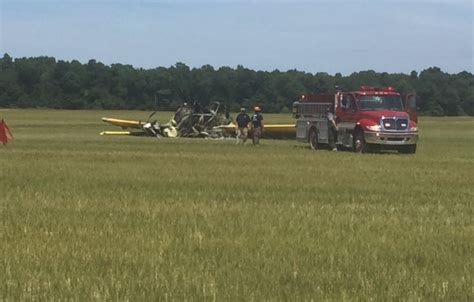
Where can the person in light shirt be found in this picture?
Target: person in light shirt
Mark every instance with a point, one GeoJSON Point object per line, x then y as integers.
{"type": "Point", "coordinates": [332, 130]}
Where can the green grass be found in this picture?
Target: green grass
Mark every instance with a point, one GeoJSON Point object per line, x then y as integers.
{"type": "Point", "coordinates": [86, 217]}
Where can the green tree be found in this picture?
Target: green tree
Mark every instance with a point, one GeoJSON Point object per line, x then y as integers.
{"type": "Point", "coordinates": [45, 82]}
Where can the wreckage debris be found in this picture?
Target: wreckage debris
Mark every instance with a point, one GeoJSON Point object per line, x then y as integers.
{"type": "Point", "coordinates": [198, 121]}
{"type": "Point", "coordinates": [188, 121]}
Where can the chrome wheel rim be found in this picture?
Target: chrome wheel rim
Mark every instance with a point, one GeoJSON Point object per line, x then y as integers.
{"type": "Point", "coordinates": [358, 144]}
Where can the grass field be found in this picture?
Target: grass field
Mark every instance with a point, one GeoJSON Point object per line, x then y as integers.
{"type": "Point", "coordinates": [86, 217]}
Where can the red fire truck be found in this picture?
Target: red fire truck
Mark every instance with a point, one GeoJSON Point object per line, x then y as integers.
{"type": "Point", "coordinates": [369, 118]}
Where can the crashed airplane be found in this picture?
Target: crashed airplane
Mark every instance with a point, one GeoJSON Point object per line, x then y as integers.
{"type": "Point", "coordinates": [192, 121]}
{"type": "Point", "coordinates": [188, 121]}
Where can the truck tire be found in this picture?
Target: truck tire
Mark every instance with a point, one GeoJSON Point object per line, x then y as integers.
{"type": "Point", "coordinates": [360, 146]}
{"type": "Point", "coordinates": [408, 149]}
{"type": "Point", "coordinates": [313, 139]}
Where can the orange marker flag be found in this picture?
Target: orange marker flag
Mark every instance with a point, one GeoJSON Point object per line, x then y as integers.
{"type": "Point", "coordinates": [5, 133]}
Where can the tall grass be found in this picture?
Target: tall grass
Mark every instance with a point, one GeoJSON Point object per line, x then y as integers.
{"type": "Point", "coordinates": [85, 217]}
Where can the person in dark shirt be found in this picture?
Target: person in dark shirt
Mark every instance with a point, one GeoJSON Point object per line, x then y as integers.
{"type": "Point", "coordinates": [242, 120]}
{"type": "Point", "coordinates": [257, 125]}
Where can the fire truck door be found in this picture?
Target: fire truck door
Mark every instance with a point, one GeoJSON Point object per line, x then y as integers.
{"type": "Point", "coordinates": [346, 116]}
{"type": "Point", "coordinates": [410, 106]}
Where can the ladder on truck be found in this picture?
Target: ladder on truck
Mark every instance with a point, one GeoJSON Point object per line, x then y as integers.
{"type": "Point", "coordinates": [313, 105]}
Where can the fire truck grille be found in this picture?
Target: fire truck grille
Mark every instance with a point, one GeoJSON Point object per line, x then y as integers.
{"type": "Point", "coordinates": [394, 123]}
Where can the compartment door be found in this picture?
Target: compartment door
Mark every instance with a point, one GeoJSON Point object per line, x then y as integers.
{"type": "Point", "coordinates": [301, 129]}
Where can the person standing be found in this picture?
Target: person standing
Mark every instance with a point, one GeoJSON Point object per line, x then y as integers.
{"type": "Point", "coordinates": [257, 125]}
{"type": "Point", "coordinates": [332, 130]}
{"type": "Point", "coordinates": [243, 121]}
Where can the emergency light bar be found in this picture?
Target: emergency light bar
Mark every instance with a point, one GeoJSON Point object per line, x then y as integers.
{"type": "Point", "coordinates": [376, 88]}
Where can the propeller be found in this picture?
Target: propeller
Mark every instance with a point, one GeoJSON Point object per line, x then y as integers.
{"type": "Point", "coordinates": [152, 114]}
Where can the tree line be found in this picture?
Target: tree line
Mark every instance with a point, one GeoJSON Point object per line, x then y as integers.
{"type": "Point", "coordinates": [44, 82]}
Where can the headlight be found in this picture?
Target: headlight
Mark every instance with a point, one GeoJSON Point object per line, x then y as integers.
{"type": "Point", "coordinates": [373, 128]}
{"type": "Point", "coordinates": [414, 129]}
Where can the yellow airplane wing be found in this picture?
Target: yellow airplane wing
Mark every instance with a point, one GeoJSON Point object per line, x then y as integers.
{"type": "Point", "coordinates": [280, 129]}
{"type": "Point", "coordinates": [121, 133]}
{"type": "Point", "coordinates": [123, 123]}
{"type": "Point", "coordinates": [272, 130]}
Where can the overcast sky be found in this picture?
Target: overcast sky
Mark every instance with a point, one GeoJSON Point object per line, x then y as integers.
{"type": "Point", "coordinates": [314, 36]}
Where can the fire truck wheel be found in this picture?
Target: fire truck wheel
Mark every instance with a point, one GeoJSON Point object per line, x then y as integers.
{"type": "Point", "coordinates": [313, 139]}
{"type": "Point", "coordinates": [360, 146]}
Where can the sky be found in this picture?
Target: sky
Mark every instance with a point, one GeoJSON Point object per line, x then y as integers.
{"type": "Point", "coordinates": [395, 36]}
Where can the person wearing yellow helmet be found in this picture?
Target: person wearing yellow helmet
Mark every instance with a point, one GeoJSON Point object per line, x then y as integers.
{"type": "Point", "coordinates": [257, 125]}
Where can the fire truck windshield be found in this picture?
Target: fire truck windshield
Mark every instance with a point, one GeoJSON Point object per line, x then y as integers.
{"type": "Point", "coordinates": [381, 102]}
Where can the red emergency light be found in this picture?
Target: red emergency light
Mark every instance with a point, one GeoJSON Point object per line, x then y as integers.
{"type": "Point", "coordinates": [376, 88]}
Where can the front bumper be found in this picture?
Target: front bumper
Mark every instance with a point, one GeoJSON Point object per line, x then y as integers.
{"type": "Point", "coordinates": [391, 138]}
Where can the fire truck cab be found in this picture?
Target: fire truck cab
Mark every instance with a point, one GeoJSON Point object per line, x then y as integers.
{"type": "Point", "coordinates": [369, 118]}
